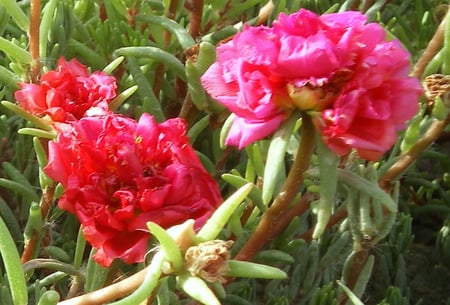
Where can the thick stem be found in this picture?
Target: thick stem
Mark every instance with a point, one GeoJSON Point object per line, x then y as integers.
{"type": "Point", "coordinates": [271, 219]}
{"type": "Point", "coordinates": [411, 155]}
{"type": "Point", "coordinates": [136, 288]}
{"type": "Point", "coordinates": [285, 219]}
{"type": "Point", "coordinates": [195, 18]}
{"type": "Point", "coordinates": [366, 5]}
{"type": "Point", "coordinates": [432, 48]}
{"type": "Point", "coordinates": [188, 110]}
{"type": "Point", "coordinates": [35, 14]}
{"type": "Point", "coordinates": [109, 293]}
{"type": "Point", "coordinates": [28, 249]}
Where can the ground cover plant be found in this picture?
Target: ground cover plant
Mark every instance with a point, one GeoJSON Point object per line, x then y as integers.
{"type": "Point", "coordinates": [224, 152]}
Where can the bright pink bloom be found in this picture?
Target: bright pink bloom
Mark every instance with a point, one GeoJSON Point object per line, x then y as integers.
{"type": "Point", "coordinates": [374, 105]}
{"type": "Point", "coordinates": [118, 174]}
{"type": "Point", "coordinates": [336, 64]}
{"type": "Point", "coordinates": [242, 79]}
{"type": "Point", "coordinates": [68, 92]}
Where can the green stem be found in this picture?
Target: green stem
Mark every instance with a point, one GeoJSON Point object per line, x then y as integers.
{"type": "Point", "coordinates": [53, 265]}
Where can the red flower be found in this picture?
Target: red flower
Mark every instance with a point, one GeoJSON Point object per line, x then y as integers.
{"type": "Point", "coordinates": [68, 92]}
{"type": "Point", "coordinates": [118, 174]}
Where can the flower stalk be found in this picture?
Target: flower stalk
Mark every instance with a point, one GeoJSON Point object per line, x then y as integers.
{"type": "Point", "coordinates": [35, 18]}
{"type": "Point", "coordinates": [265, 229]}
{"type": "Point", "coordinates": [406, 159]}
{"type": "Point", "coordinates": [432, 48]}
{"type": "Point", "coordinates": [148, 275]}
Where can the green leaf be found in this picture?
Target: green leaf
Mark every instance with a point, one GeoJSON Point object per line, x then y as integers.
{"type": "Point", "coordinates": [95, 274]}
{"type": "Point", "coordinates": [360, 184]}
{"type": "Point", "coordinates": [184, 38]}
{"type": "Point", "coordinates": [168, 245]}
{"type": "Point", "coordinates": [157, 54]}
{"type": "Point", "coordinates": [19, 188]}
{"type": "Point", "coordinates": [17, 14]}
{"type": "Point", "coordinates": [14, 51]}
{"type": "Point", "coordinates": [151, 103]}
{"type": "Point", "coordinates": [328, 163]}
{"type": "Point", "coordinates": [8, 78]}
{"type": "Point", "coordinates": [254, 270]}
{"type": "Point", "coordinates": [51, 135]}
{"type": "Point", "coordinates": [226, 129]}
{"type": "Point", "coordinates": [197, 289]}
{"type": "Point", "coordinates": [275, 158]}
{"type": "Point", "coordinates": [50, 297]}
{"type": "Point", "coordinates": [355, 300]}
{"type": "Point", "coordinates": [45, 26]}
{"type": "Point", "coordinates": [13, 266]}
{"type": "Point", "coordinates": [122, 97]}
{"type": "Point", "coordinates": [221, 216]}
{"type": "Point", "coordinates": [255, 193]}
{"type": "Point", "coordinates": [109, 69]}
{"type": "Point", "coordinates": [41, 123]}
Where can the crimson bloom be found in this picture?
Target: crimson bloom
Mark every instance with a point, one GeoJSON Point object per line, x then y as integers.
{"type": "Point", "coordinates": [68, 92]}
{"type": "Point", "coordinates": [336, 65]}
{"type": "Point", "coordinates": [118, 174]}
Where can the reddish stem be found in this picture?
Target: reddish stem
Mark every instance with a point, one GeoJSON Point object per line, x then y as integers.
{"type": "Point", "coordinates": [35, 13]}
{"type": "Point", "coordinates": [109, 293]}
{"type": "Point", "coordinates": [274, 218]}
{"type": "Point", "coordinates": [195, 18]}
{"type": "Point", "coordinates": [432, 48]}
{"type": "Point", "coordinates": [406, 159]}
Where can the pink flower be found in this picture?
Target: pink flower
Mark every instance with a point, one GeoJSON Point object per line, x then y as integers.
{"type": "Point", "coordinates": [374, 105]}
{"type": "Point", "coordinates": [335, 64]}
{"type": "Point", "coordinates": [118, 174]}
{"type": "Point", "coordinates": [68, 92]}
{"type": "Point", "coordinates": [243, 80]}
